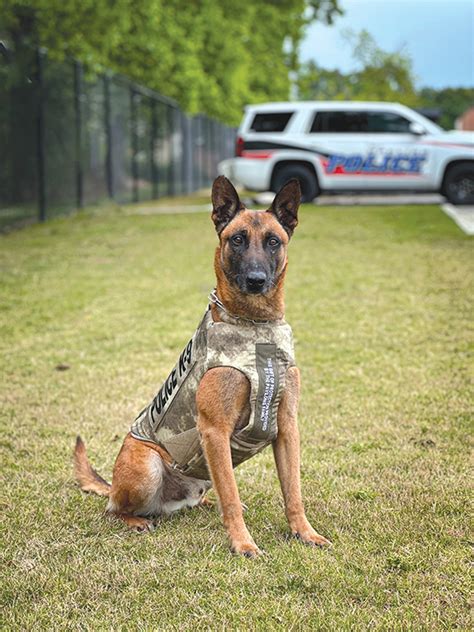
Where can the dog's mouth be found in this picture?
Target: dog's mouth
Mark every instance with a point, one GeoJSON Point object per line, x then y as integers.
{"type": "Point", "coordinates": [253, 290]}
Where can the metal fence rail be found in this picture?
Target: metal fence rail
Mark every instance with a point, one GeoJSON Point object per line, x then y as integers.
{"type": "Point", "coordinates": [70, 139]}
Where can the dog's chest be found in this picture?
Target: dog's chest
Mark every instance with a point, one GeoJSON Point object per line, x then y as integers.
{"type": "Point", "coordinates": [261, 353]}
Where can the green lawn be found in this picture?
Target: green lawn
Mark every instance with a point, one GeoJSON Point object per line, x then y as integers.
{"type": "Point", "coordinates": [380, 304]}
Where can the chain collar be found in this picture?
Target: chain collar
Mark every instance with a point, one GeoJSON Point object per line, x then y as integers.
{"type": "Point", "coordinates": [216, 300]}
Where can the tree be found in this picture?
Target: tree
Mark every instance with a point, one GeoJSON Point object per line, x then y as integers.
{"type": "Point", "coordinates": [212, 56]}
{"type": "Point", "coordinates": [316, 83]}
{"type": "Point", "coordinates": [381, 76]}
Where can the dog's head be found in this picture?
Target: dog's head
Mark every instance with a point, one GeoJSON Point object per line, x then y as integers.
{"type": "Point", "coordinates": [253, 244]}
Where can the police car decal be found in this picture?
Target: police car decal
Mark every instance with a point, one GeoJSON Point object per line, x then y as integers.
{"type": "Point", "coordinates": [371, 164]}
{"type": "Point", "coordinates": [384, 164]}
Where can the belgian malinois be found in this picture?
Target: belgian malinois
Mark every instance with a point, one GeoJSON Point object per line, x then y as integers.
{"type": "Point", "coordinates": [250, 265]}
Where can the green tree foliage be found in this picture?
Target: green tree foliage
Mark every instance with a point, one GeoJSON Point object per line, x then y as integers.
{"type": "Point", "coordinates": [381, 76]}
{"type": "Point", "coordinates": [212, 56]}
{"type": "Point", "coordinates": [452, 102]}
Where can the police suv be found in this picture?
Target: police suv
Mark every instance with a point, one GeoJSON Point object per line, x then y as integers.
{"type": "Point", "coordinates": [350, 146]}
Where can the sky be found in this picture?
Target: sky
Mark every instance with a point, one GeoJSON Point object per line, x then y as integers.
{"type": "Point", "coordinates": [437, 34]}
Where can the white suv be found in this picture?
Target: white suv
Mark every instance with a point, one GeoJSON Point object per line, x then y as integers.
{"type": "Point", "coordinates": [350, 146]}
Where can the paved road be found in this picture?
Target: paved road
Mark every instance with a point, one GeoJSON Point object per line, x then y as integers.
{"type": "Point", "coordinates": [353, 199]}
{"type": "Point", "coordinates": [462, 215]}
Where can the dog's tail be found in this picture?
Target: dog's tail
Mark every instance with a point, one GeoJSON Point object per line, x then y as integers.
{"type": "Point", "coordinates": [86, 476]}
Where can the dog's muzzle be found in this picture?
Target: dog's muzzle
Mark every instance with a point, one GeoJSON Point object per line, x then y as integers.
{"type": "Point", "coordinates": [255, 282]}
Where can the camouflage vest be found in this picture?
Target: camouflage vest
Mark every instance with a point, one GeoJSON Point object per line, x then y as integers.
{"type": "Point", "coordinates": [261, 351]}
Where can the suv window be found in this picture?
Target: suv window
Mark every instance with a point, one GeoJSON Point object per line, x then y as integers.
{"type": "Point", "coordinates": [339, 122]}
{"type": "Point", "coordinates": [353, 122]}
{"type": "Point", "coordinates": [270, 121]}
{"type": "Point", "coordinates": [387, 123]}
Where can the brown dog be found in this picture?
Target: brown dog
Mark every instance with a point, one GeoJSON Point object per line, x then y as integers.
{"type": "Point", "coordinates": [250, 264]}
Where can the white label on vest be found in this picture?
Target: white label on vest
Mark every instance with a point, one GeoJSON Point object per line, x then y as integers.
{"type": "Point", "coordinates": [268, 378]}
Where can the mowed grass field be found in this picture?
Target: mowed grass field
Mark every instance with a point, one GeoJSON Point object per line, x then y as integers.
{"type": "Point", "coordinates": [380, 300]}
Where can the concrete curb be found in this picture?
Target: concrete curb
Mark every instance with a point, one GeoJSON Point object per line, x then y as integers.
{"type": "Point", "coordinates": [463, 216]}
{"type": "Point", "coordinates": [360, 199]}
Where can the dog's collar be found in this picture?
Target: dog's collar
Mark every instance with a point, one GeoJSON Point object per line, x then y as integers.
{"type": "Point", "coordinates": [220, 305]}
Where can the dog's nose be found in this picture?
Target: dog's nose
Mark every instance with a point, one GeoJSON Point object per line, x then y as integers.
{"type": "Point", "coordinates": [256, 280]}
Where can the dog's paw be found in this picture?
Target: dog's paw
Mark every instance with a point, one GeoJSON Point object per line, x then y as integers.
{"type": "Point", "coordinates": [247, 549]}
{"type": "Point", "coordinates": [311, 538]}
{"type": "Point", "coordinates": [206, 503]}
{"type": "Point", "coordinates": [147, 527]}
{"type": "Point", "coordinates": [209, 504]}
{"type": "Point", "coordinates": [138, 524]}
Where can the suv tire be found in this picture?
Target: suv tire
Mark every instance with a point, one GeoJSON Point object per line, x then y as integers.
{"type": "Point", "coordinates": [309, 184]}
{"type": "Point", "coordinates": [458, 184]}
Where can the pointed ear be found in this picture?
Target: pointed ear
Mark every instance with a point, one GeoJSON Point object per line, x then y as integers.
{"type": "Point", "coordinates": [285, 205]}
{"type": "Point", "coordinates": [225, 203]}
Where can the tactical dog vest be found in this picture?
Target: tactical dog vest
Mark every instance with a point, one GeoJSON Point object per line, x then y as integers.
{"type": "Point", "coordinates": [261, 351]}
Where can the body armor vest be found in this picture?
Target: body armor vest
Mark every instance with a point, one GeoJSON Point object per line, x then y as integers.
{"type": "Point", "coordinates": [261, 351]}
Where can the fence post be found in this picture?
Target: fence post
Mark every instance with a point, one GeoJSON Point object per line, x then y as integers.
{"type": "Point", "coordinates": [198, 143]}
{"type": "Point", "coordinates": [40, 140]}
{"type": "Point", "coordinates": [153, 136]}
{"type": "Point", "coordinates": [170, 125]}
{"type": "Point", "coordinates": [109, 174]}
{"type": "Point", "coordinates": [179, 149]}
{"type": "Point", "coordinates": [134, 140]}
{"type": "Point", "coordinates": [192, 144]}
{"type": "Point", "coordinates": [187, 155]}
{"type": "Point", "coordinates": [211, 159]}
{"type": "Point", "coordinates": [220, 138]}
{"type": "Point", "coordinates": [78, 121]}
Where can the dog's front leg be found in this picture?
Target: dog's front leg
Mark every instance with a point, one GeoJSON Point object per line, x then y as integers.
{"type": "Point", "coordinates": [221, 399]}
{"type": "Point", "coordinates": [286, 449]}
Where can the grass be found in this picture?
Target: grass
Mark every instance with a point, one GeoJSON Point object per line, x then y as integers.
{"type": "Point", "coordinates": [380, 304]}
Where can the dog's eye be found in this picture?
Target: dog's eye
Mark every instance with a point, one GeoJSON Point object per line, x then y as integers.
{"type": "Point", "coordinates": [237, 240]}
{"type": "Point", "coordinates": [273, 242]}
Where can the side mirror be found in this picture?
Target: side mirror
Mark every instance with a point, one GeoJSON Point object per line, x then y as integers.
{"type": "Point", "coordinates": [417, 129]}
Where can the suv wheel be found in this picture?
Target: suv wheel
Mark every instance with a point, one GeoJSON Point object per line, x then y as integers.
{"type": "Point", "coordinates": [309, 184]}
{"type": "Point", "coordinates": [459, 183]}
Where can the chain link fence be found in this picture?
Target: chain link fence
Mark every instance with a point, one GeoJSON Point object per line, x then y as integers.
{"type": "Point", "coordinates": [70, 139]}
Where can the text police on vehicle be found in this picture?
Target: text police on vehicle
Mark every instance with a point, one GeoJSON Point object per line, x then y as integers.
{"type": "Point", "coordinates": [342, 146]}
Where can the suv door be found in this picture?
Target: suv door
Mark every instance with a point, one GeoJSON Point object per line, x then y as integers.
{"type": "Point", "coordinates": [368, 149]}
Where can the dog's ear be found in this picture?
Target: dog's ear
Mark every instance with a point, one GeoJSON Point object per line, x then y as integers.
{"type": "Point", "coordinates": [285, 205]}
{"type": "Point", "coordinates": [225, 203]}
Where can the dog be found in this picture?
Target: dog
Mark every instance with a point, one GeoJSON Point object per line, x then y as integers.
{"type": "Point", "coordinates": [238, 405]}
